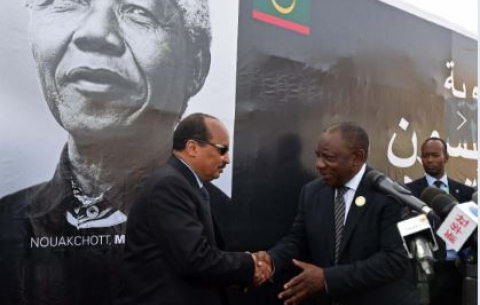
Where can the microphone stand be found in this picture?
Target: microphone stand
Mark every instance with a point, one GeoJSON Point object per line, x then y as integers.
{"type": "Point", "coordinates": [470, 280]}
{"type": "Point", "coordinates": [423, 265]}
{"type": "Point", "coordinates": [419, 248]}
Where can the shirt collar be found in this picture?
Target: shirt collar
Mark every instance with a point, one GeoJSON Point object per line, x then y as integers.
{"type": "Point", "coordinates": [49, 202]}
{"type": "Point", "coordinates": [355, 181]}
{"type": "Point", "coordinates": [431, 179]}
{"type": "Point", "coordinates": [200, 183]}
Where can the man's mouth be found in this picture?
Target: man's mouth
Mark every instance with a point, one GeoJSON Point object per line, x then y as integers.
{"type": "Point", "coordinates": [325, 176]}
{"type": "Point", "coordinates": [100, 83]}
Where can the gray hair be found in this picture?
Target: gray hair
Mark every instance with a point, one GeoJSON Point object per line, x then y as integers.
{"type": "Point", "coordinates": [196, 17]}
{"type": "Point", "coordinates": [353, 134]}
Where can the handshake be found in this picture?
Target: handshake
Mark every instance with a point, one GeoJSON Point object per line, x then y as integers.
{"type": "Point", "coordinates": [263, 268]}
{"type": "Point", "coordinates": [310, 281]}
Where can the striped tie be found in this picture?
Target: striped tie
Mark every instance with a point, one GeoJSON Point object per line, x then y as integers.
{"type": "Point", "coordinates": [339, 219]}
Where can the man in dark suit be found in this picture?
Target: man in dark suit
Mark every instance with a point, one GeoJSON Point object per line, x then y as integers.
{"type": "Point", "coordinates": [173, 251]}
{"type": "Point", "coordinates": [346, 231]}
{"type": "Point", "coordinates": [434, 159]}
{"type": "Point", "coordinates": [446, 284]}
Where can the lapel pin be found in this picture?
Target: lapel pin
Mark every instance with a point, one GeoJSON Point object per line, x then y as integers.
{"type": "Point", "coordinates": [360, 201]}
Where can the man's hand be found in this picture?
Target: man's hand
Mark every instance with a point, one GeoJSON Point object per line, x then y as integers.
{"type": "Point", "coordinates": [311, 281]}
{"type": "Point", "coordinates": [263, 268]}
{"type": "Point", "coordinates": [265, 257]}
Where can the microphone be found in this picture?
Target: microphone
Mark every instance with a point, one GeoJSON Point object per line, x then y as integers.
{"type": "Point", "coordinates": [459, 228]}
{"type": "Point", "coordinates": [459, 224]}
{"type": "Point", "coordinates": [419, 241]}
{"type": "Point", "coordinates": [385, 185]}
{"type": "Point", "coordinates": [442, 204]}
{"type": "Point", "coordinates": [416, 232]}
{"type": "Point", "coordinates": [429, 193]}
{"type": "Point", "coordinates": [427, 196]}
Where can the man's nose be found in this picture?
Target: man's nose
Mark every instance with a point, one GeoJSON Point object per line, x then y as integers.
{"type": "Point", "coordinates": [226, 158]}
{"type": "Point", "coordinates": [100, 31]}
{"type": "Point", "coordinates": [319, 163]}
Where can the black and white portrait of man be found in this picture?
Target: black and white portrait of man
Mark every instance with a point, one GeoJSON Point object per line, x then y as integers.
{"type": "Point", "coordinates": [117, 76]}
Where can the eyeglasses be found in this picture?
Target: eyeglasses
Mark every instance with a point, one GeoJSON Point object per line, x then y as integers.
{"type": "Point", "coordinates": [222, 149]}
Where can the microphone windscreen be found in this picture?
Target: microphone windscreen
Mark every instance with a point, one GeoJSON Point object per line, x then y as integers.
{"type": "Point", "coordinates": [372, 177]}
{"type": "Point", "coordinates": [442, 204]}
{"type": "Point", "coordinates": [429, 193]}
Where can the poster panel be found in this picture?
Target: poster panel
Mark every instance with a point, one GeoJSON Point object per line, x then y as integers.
{"type": "Point", "coordinates": [91, 92]}
{"type": "Point", "coordinates": [298, 70]}
{"type": "Point", "coordinates": [303, 65]}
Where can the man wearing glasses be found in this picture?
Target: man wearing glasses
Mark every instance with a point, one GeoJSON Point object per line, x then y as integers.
{"type": "Point", "coordinates": [173, 251]}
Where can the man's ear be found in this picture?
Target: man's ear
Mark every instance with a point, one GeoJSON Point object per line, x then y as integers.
{"type": "Point", "coordinates": [200, 66]}
{"type": "Point", "coordinates": [191, 148]}
{"type": "Point", "coordinates": [360, 156]}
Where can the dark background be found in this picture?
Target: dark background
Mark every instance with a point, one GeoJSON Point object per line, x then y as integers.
{"type": "Point", "coordinates": [364, 61]}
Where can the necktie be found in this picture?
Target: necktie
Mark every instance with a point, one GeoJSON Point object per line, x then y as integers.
{"type": "Point", "coordinates": [205, 194]}
{"type": "Point", "coordinates": [438, 183]}
{"type": "Point", "coordinates": [339, 219]}
{"type": "Point", "coordinates": [207, 209]}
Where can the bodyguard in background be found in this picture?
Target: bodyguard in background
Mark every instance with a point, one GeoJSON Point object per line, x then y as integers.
{"type": "Point", "coordinates": [446, 285]}
{"type": "Point", "coordinates": [434, 159]}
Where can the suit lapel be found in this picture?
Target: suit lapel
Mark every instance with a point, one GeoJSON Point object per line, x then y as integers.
{"type": "Point", "coordinates": [423, 185]}
{"type": "Point", "coordinates": [205, 208]}
{"type": "Point", "coordinates": [203, 205]}
{"type": "Point", "coordinates": [355, 213]}
{"type": "Point", "coordinates": [454, 190]}
{"type": "Point", "coordinates": [328, 208]}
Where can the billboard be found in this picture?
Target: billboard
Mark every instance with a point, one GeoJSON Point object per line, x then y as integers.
{"type": "Point", "coordinates": [91, 92]}
{"type": "Point", "coordinates": [90, 101]}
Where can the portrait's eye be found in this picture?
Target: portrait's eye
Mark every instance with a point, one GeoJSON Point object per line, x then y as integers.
{"type": "Point", "coordinates": [57, 5]}
{"type": "Point", "coordinates": [38, 3]}
{"type": "Point", "coordinates": [139, 15]}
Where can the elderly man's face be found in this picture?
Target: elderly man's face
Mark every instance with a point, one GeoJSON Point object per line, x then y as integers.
{"type": "Point", "coordinates": [109, 65]}
{"type": "Point", "coordinates": [336, 161]}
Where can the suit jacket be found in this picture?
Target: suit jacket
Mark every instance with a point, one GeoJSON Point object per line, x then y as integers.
{"type": "Point", "coordinates": [460, 191]}
{"type": "Point", "coordinates": [173, 246]}
{"type": "Point", "coordinates": [373, 266]}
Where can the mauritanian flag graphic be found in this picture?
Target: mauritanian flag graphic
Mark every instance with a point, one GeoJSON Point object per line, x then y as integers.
{"type": "Point", "coordinates": [289, 14]}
